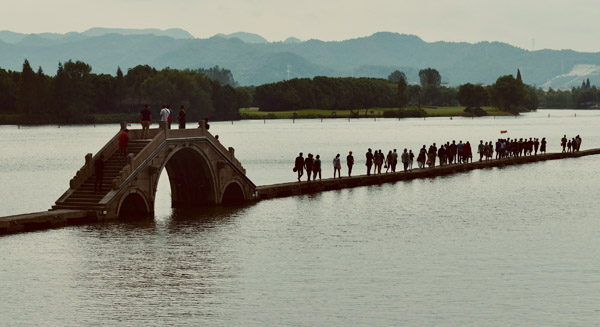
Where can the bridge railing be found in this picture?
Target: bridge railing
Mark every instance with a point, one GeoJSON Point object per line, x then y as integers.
{"type": "Point", "coordinates": [88, 167]}
{"type": "Point", "coordinates": [159, 136]}
{"type": "Point", "coordinates": [133, 162]}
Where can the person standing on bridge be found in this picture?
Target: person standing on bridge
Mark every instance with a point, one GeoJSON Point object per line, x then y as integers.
{"type": "Point", "coordinates": [181, 117]}
{"type": "Point", "coordinates": [164, 117]}
{"type": "Point", "coordinates": [337, 166]}
{"type": "Point", "coordinates": [308, 164]}
{"type": "Point", "coordinates": [563, 142]}
{"type": "Point", "coordinates": [123, 140]}
{"type": "Point", "coordinates": [299, 166]}
{"type": "Point", "coordinates": [146, 118]}
{"type": "Point", "coordinates": [316, 168]}
{"type": "Point", "coordinates": [99, 171]}
{"type": "Point", "coordinates": [369, 163]}
{"type": "Point", "coordinates": [405, 159]}
{"type": "Point", "coordinates": [350, 163]}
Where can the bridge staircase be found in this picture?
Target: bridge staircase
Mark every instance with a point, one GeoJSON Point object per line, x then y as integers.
{"type": "Point", "coordinates": [84, 197]}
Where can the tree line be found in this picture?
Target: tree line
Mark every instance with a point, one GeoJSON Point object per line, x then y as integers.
{"type": "Point", "coordinates": [75, 94]}
{"type": "Point", "coordinates": [509, 94]}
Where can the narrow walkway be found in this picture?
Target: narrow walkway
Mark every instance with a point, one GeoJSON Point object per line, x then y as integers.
{"type": "Point", "coordinates": [304, 187]}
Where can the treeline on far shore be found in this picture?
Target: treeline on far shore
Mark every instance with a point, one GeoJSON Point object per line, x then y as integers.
{"type": "Point", "coordinates": [76, 95]}
{"type": "Point", "coordinates": [508, 94]}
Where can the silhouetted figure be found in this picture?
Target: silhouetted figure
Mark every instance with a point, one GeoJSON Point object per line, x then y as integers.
{"type": "Point", "coordinates": [480, 150]}
{"type": "Point", "coordinates": [543, 146]}
{"type": "Point", "coordinates": [422, 157]}
{"type": "Point", "coordinates": [337, 166]}
{"type": "Point", "coordinates": [181, 117]}
{"type": "Point", "coordinates": [146, 118]}
{"type": "Point", "coordinates": [299, 166]}
{"type": "Point", "coordinates": [316, 168]}
{"type": "Point", "coordinates": [388, 161]}
{"type": "Point", "coordinates": [350, 163]}
{"type": "Point", "coordinates": [369, 162]}
{"type": "Point", "coordinates": [411, 158]}
{"type": "Point", "coordinates": [405, 159]}
{"type": "Point", "coordinates": [308, 164]}
{"type": "Point", "coordinates": [99, 171]}
{"type": "Point", "coordinates": [563, 143]}
{"type": "Point", "coordinates": [394, 160]}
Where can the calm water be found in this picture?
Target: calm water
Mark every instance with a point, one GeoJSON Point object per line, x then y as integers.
{"type": "Point", "coordinates": [516, 246]}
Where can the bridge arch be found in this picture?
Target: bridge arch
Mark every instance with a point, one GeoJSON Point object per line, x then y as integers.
{"type": "Point", "coordinates": [233, 193]}
{"type": "Point", "coordinates": [134, 203]}
{"type": "Point", "coordinates": [191, 177]}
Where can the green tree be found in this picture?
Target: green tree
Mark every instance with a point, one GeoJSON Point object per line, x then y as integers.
{"type": "Point", "coordinates": [120, 86]}
{"type": "Point", "coordinates": [430, 76]}
{"type": "Point", "coordinates": [401, 92]}
{"type": "Point", "coordinates": [8, 90]}
{"type": "Point", "coordinates": [396, 76]}
{"type": "Point", "coordinates": [27, 91]}
{"type": "Point", "coordinates": [472, 96]}
{"type": "Point", "coordinates": [135, 78]}
{"type": "Point", "coordinates": [508, 94]}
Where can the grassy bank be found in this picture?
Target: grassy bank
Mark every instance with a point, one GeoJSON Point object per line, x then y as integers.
{"type": "Point", "coordinates": [254, 113]}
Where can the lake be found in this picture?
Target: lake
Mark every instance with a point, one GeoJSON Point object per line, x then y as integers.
{"type": "Point", "coordinates": [513, 246]}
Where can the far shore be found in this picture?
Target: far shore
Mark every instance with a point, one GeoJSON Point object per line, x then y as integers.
{"type": "Point", "coordinates": [255, 113]}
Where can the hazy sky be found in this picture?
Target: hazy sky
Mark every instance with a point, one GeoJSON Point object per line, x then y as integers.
{"type": "Point", "coordinates": [552, 24]}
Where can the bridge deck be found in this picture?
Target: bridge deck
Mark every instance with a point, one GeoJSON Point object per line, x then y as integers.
{"type": "Point", "coordinates": [304, 187]}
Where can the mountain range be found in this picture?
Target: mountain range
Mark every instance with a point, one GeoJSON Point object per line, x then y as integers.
{"type": "Point", "coordinates": [253, 60]}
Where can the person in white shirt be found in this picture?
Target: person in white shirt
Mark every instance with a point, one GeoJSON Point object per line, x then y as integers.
{"type": "Point", "coordinates": [164, 117]}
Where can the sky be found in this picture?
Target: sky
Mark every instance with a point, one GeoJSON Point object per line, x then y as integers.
{"type": "Point", "coordinates": [528, 24]}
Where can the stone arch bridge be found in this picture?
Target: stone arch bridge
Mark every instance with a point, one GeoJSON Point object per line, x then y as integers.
{"type": "Point", "coordinates": [201, 172]}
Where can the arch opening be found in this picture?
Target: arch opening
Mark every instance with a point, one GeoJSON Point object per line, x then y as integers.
{"type": "Point", "coordinates": [233, 194]}
{"type": "Point", "coordinates": [190, 179]}
{"type": "Point", "coordinates": [133, 206]}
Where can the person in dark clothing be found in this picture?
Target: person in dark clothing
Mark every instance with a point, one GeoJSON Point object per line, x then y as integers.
{"type": "Point", "coordinates": [316, 168]}
{"type": "Point", "coordinates": [308, 164]}
{"type": "Point", "coordinates": [181, 117]}
{"type": "Point", "coordinates": [299, 166]}
{"type": "Point", "coordinates": [350, 162]}
{"type": "Point", "coordinates": [146, 118]}
{"type": "Point", "coordinates": [369, 163]}
{"type": "Point", "coordinates": [99, 171]}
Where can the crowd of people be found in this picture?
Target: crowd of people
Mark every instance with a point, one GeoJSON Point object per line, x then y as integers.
{"type": "Point", "coordinates": [447, 154]}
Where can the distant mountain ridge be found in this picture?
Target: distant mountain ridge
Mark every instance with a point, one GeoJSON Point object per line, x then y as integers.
{"type": "Point", "coordinates": [254, 61]}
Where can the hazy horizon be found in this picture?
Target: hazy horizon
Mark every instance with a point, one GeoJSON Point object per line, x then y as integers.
{"type": "Point", "coordinates": [530, 25]}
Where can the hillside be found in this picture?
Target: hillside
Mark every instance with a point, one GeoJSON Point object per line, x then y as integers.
{"type": "Point", "coordinates": [254, 61]}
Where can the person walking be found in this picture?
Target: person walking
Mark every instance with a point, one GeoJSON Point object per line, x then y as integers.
{"type": "Point", "coordinates": [316, 168]}
{"type": "Point", "coordinates": [394, 160]}
{"type": "Point", "coordinates": [405, 159]}
{"type": "Point", "coordinates": [299, 166]}
{"type": "Point", "coordinates": [480, 150]}
{"type": "Point", "coordinates": [422, 157]}
{"type": "Point", "coordinates": [337, 166]}
{"type": "Point", "coordinates": [369, 162]}
{"type": "Point", "coordinates": [563, 142]}
{"type": "Point", "coordinates": [308, 164]}
{"type": "Point", "coordinates": [388, 161]}
{"type": "Point", "coordinates": [146, 118]}
{"type": "Point", "coordinates": [543, 145]}
{"type": "Point", "coordinates": [123, 140]}
{"type": "Point", "coordinates": [164, 117]}
{"type": "Point", "coordinates": [99, 171]}
{"type": "Point", "coordinates": [181, 117]}
{"type": "Point", "coordinates": [350, 163]}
